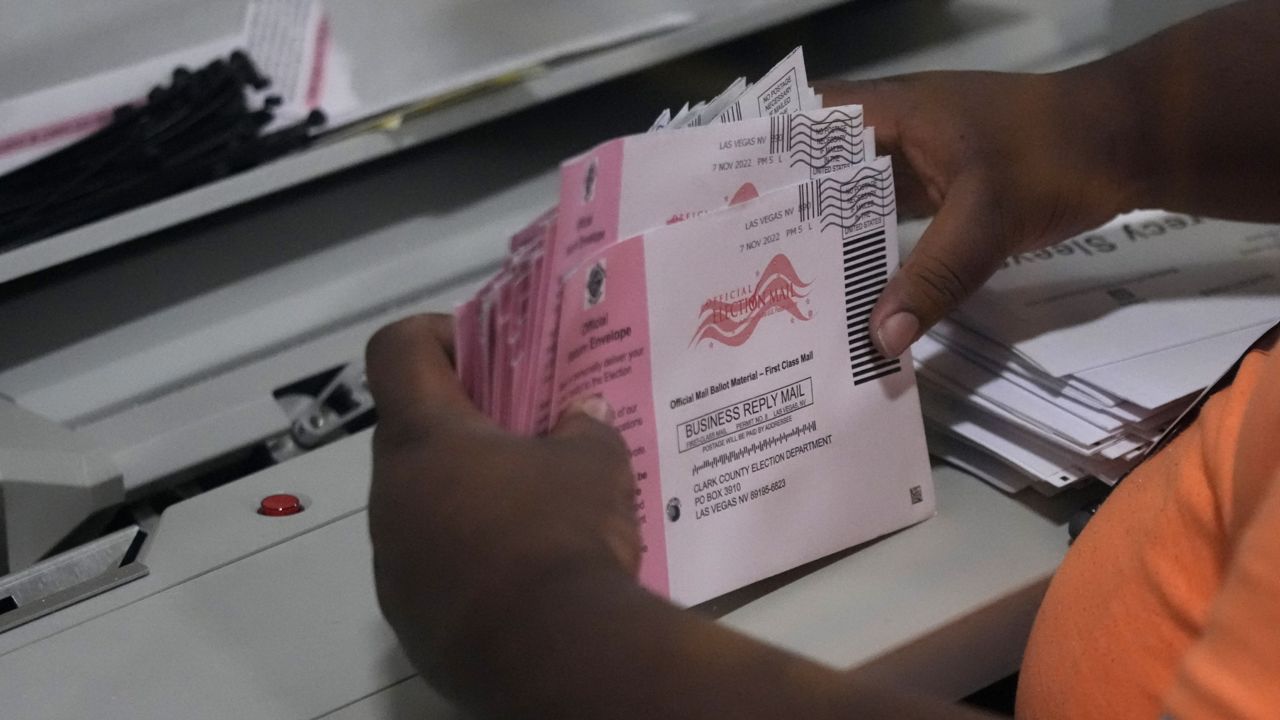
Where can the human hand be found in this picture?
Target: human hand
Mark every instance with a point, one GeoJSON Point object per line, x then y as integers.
{"type": "Point", "coordinates": [466, 517]}
{"type": "Point", "coordinates": [1005, 163]}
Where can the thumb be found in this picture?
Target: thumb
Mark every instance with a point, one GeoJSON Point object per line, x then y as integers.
{"type": "Point", "coordinates": [957, 253]}
{"type": "Point", "coordinates": [588, 416]}
{"type": "Point", "coordinates": [603, 458]}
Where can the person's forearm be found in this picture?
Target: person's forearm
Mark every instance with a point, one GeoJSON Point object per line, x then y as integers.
{"type": "Point", "coordinates": [597, 645]}
{"type": "Point", "coordinates": [1196, 109]}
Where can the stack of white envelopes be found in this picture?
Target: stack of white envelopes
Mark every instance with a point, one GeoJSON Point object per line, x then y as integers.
{"type": "Point", "coordinates": [1072, 363]}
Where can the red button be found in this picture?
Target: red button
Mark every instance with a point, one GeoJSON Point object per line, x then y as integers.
{"type": "Point", "coordinates": [280, 505]}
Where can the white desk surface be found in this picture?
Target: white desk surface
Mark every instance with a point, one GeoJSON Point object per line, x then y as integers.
{"type": "Point", "coordinates": [252, 617]}
{"type": "Point", "coordinates": [248, 617]}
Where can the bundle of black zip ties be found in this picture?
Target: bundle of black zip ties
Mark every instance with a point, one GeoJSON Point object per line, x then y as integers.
{"type": "Point", "coordinates": [198, 129]}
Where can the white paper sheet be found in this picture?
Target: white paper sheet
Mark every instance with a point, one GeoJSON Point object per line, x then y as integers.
{"type": "Point", "coordinates": [1161, 377]}
{"type": "Point", "coordinates": [1037, 458]}
{"type": "Point", "coordinates": [1049, 464]}
{"type": "Point", "coordinates": [785, 85]}
{"type": "Point", "coordinates": [962, 339]}
{"type": "Point", "coordinates": [979, 463]}
{"type": "Point", "coordinates": [1025, 399]}
{"type": "Point", "coordinates": [1147, 282]}
{"type": "Point", "coordinates": [1043, 418]}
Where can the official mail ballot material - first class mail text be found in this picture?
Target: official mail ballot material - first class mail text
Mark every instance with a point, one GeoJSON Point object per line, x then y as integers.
{"type": "Point", "coordinates": [714, 284]}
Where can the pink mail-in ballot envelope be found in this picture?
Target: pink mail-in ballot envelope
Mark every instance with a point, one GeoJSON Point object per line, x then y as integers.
{"type": "Point", "coordinates": [765, 430]}
{"type": "Point", "coordinates": [629, 185]}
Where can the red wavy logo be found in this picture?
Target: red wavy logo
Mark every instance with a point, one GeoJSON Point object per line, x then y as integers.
{"type": "Point", "coordinates": [732, 321]}
{"type": "Point", "coordinates": [745, 193]}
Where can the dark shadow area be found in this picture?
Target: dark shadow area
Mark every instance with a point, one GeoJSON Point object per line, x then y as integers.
{"type": "Point", "coordinates": [1062, 507]}
{"type": "Point", "coordinates": [997, 698]}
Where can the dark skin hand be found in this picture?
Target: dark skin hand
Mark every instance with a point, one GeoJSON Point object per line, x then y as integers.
{"type": "Point", "coordinates": [512, 583]}
{"type": "Point", "coordinates": [1005, 163]}
{"type": "Point", "coordinates": [492, 532]}
{"type": "Point", "coordinates": [506, 565]}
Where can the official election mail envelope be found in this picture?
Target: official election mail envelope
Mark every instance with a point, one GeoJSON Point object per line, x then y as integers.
{"type": "Point", "coordinates": [765, 430]}
{"type": "Point", "coordinates": [631, 184]}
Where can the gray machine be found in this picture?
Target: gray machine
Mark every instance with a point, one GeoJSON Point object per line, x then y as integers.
{"type": "Point", "coordinates": [166, 369]}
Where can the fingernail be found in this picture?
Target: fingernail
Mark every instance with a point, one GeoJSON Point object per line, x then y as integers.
{"type": "Point", "coordinates": [596, 408]}
{"type": "Point", "coordinates": [897, 333]}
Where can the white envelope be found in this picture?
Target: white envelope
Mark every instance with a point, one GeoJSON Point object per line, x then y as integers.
{"type": "Point", "coordinates": [1149, 281]}
{"type": "Point", "coordinates": [1161, 377]}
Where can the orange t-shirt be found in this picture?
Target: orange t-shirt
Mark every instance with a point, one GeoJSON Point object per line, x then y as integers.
{"type": "Point", "coordinates": [1168, 604]}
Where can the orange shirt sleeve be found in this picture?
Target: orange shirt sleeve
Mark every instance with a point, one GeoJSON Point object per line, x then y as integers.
{"type": "Point", "coordinates": [1169, 602]}
{"type": "Point", "coordinates": [1233, 669]}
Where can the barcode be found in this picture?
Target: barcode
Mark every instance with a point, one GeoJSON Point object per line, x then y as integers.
{"type": "Point", "coordinates": [808, 205]}
{"type": "Point", "coordinates": [733, 113]}
{"type": "Point", "coordinates": [866, 271]}
{"type": "Point", "coordinates": [779, 134]}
